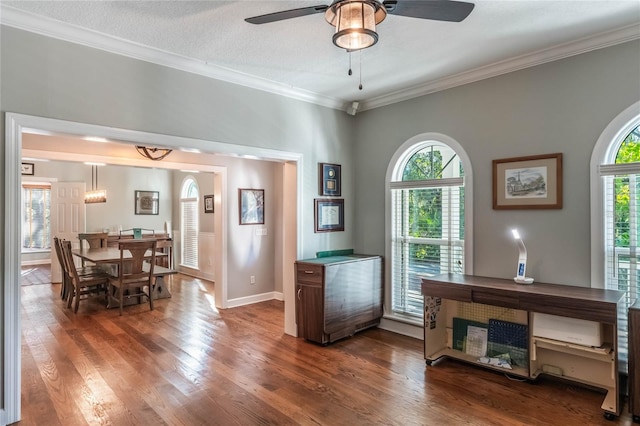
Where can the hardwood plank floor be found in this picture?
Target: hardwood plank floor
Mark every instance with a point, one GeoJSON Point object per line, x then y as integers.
{"type": "Point", "coordinates": [185, 363]}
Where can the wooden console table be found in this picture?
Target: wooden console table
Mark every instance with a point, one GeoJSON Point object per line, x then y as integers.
{"type": "Point", "coordinates": [501, 299]}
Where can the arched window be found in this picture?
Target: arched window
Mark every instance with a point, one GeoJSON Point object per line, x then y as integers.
{"type": "Point", "coordinates": [427, 189]}
{"type": "Point", "coordinates": [616, 212]}
{"type": "Point", "coordinates": [189, 223]}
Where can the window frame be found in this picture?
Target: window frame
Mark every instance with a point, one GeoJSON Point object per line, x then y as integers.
{"type": "Point", "coordinates": [398, 160]}
{"type": "Point", "coordinates": [30, 186]}
{"type": "Point", "coordinates": [603, 154]}
{"type": "Point", "coordinates": [188, 183]}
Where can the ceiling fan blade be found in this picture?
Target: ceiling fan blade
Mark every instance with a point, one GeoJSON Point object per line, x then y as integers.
{"type": "Point", "coordinates": [439, 10]}
{"type": "Point", "coordinates": [287, 14]}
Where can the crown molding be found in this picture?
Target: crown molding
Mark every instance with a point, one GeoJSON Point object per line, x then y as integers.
{"type": "Point", "coordinates": [52, 28]}
{"type": "Point", "coordinates": [565, 50]}
{"type": "Point", "coordinates": [45, 26]}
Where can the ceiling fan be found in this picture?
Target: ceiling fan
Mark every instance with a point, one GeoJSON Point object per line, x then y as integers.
{"type": "Point", "coordinates": [356, 20]}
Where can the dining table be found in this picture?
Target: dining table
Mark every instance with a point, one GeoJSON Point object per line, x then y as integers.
{"type": "Point", "coordinates": [111, 256]}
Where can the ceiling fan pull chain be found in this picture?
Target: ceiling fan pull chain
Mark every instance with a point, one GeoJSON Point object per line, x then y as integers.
{"type": "Point", "coordinates": [350, 72]}
{"type": "Point", "coordinates": [360, 86]}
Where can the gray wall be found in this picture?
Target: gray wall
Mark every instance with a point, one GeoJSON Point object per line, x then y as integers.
{"type": "Point", "coordinates": [561, 106]}
{"type": "Point", "coordinates": [50, 78]}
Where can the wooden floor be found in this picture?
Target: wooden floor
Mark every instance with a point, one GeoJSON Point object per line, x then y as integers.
{"type": "Point", "coordinates": [187, 364]}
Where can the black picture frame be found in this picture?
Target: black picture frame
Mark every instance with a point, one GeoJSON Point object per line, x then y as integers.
{"type": "Point", "coordinates": [147, 202]}
{"type": "Point", "coordinates": [208, 203]}
{"type": "Point", "coordinates": [328, 214]}
{"type": "Point", "coordinates": [330, 179]}
{"type": "Point", "coordinates": [27, 169]}
{"type": "Point", "coordinates": [251, 206]}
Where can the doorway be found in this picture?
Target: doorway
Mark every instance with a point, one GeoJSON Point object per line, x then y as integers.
{"type": "Point", "coordinates": [16, 123]}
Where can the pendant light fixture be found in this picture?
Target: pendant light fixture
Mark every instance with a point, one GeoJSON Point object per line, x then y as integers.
{"type": "Point", "coordinates": [95, 195]}
{"type": "Point", "coordinates": [153, 153]}
{"type": "Point", "coordinates": [355, 22]}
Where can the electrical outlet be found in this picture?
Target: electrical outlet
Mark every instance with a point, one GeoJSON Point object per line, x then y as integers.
{"type": "Point", "coordinates": [252, 279]}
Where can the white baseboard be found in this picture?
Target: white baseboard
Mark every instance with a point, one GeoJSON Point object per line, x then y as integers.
{"type": "Point", "coordinates": [257, 298]}
{"type": "Point", "coordinates": [402, 327]}
{"type": "Point", "coordinates": [35, 262]}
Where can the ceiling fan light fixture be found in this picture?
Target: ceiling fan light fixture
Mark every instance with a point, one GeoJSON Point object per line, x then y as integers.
{"type": "Point", "coordinates": [355, 22]}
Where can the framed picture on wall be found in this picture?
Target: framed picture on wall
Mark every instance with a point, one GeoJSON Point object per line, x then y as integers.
{"type": "Point", "coordinates": [533, 182]}
{"type": "Point", "coordinates": [251, 206]}
{"type": "Point", "coordinates": [330, 179]}
{"type": "Point", "coordinates": [208, 203]}
{"type": "Point", "coordinates": [329, 214]}
{"type": "Point", "coordinates": [147, 202]}
{"type": "Point", "coordinates": [26, 169]}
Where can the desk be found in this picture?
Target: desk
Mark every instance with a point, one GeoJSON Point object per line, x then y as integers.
{"type": "Point", "coordinates": [106, 255]}
{"type": "Point", "coordinates": [593, 366]}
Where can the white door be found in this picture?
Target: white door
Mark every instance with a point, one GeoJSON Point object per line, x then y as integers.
{"type": "Point", "coordinates": [67, 218]}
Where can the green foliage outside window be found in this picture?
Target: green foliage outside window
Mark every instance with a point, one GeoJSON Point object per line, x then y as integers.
{"type": "Point", "coordinates": [629, 152]}
{"type": "Point", "coordinates": [425, 205]}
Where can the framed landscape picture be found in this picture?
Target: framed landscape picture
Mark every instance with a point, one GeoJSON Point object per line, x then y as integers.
{"type": "Point", "coordinates": [533, 182]}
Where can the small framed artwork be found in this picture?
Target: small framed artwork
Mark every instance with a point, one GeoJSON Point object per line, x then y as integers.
{"type": "Point", "coordinates": [208, 203]}
{"type": "Point", "coordinates": [330, 179]}
{"type": "Point", "coordinates": [329, 214]}
{"type": "Point", "coordinates": [27, 169]}
{"type": "Point", "coordinates": [147, 202]}
{"type": "Point", "coordinates": [533, 182]}
{"type": "Point", "coordinates": [251, 206]}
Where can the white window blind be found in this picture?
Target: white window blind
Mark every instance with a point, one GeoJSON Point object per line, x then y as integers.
{"type": "Point", "coordinates": [427, 220]}
{"type": "Point", "coordinates": [189, 224]}
{"type": "Point", "coordinates": [36, 228]}
{"type": "Point", "coordinates": [427, 237]}
{"type": "Point", "coordinates": [620, 174]}
{"type": "Point", "coordinates": [622, 211]}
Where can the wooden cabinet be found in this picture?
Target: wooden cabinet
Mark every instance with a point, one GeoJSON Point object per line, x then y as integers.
{"type": "Point", "coordinates": [452, 299]}
{"type": "Point", "coordinates": [337, 296]}
{"type": "Point", "coordinates": [634, 361]}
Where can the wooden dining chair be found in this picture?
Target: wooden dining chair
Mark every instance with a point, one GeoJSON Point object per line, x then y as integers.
{"type": "Point", "coordinates": [66, 280]}
{"type": "Point", "coordinates": [65, 288]}
{"type": "Point", "coordinates": [135, 274]}
{"type": "Point", "coordinates": [137, 233]}
{"type": "Point", "coordinates": [166, 246]}
{"type": "Point", "coordinates": [82, 286]}
{"type": "Point", "coordinates": [92, 240]}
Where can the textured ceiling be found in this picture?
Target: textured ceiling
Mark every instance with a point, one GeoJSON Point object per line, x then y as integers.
{"type": "Point", "coordinates": [297, 57]}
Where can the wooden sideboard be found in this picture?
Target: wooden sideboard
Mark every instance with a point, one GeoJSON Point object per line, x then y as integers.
{"type": "Point", "coordinates": [634, 361]}
{"type": "Point", "coordinates": [337, 296]}
{"type": "Point", "coordinates": [476, 300]}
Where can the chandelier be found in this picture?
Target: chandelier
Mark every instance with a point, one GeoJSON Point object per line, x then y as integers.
{"type": "Point", "coordinates": [153, 153]}
{"type": "Point", "coordinates": [95, 195]}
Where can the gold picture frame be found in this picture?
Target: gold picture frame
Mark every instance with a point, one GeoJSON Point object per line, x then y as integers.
{"type": "Point", "coordinates": [532, 182]}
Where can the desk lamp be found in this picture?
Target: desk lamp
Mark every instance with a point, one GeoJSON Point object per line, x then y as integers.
{"type": "Point", "coordinates": [520, 277]}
